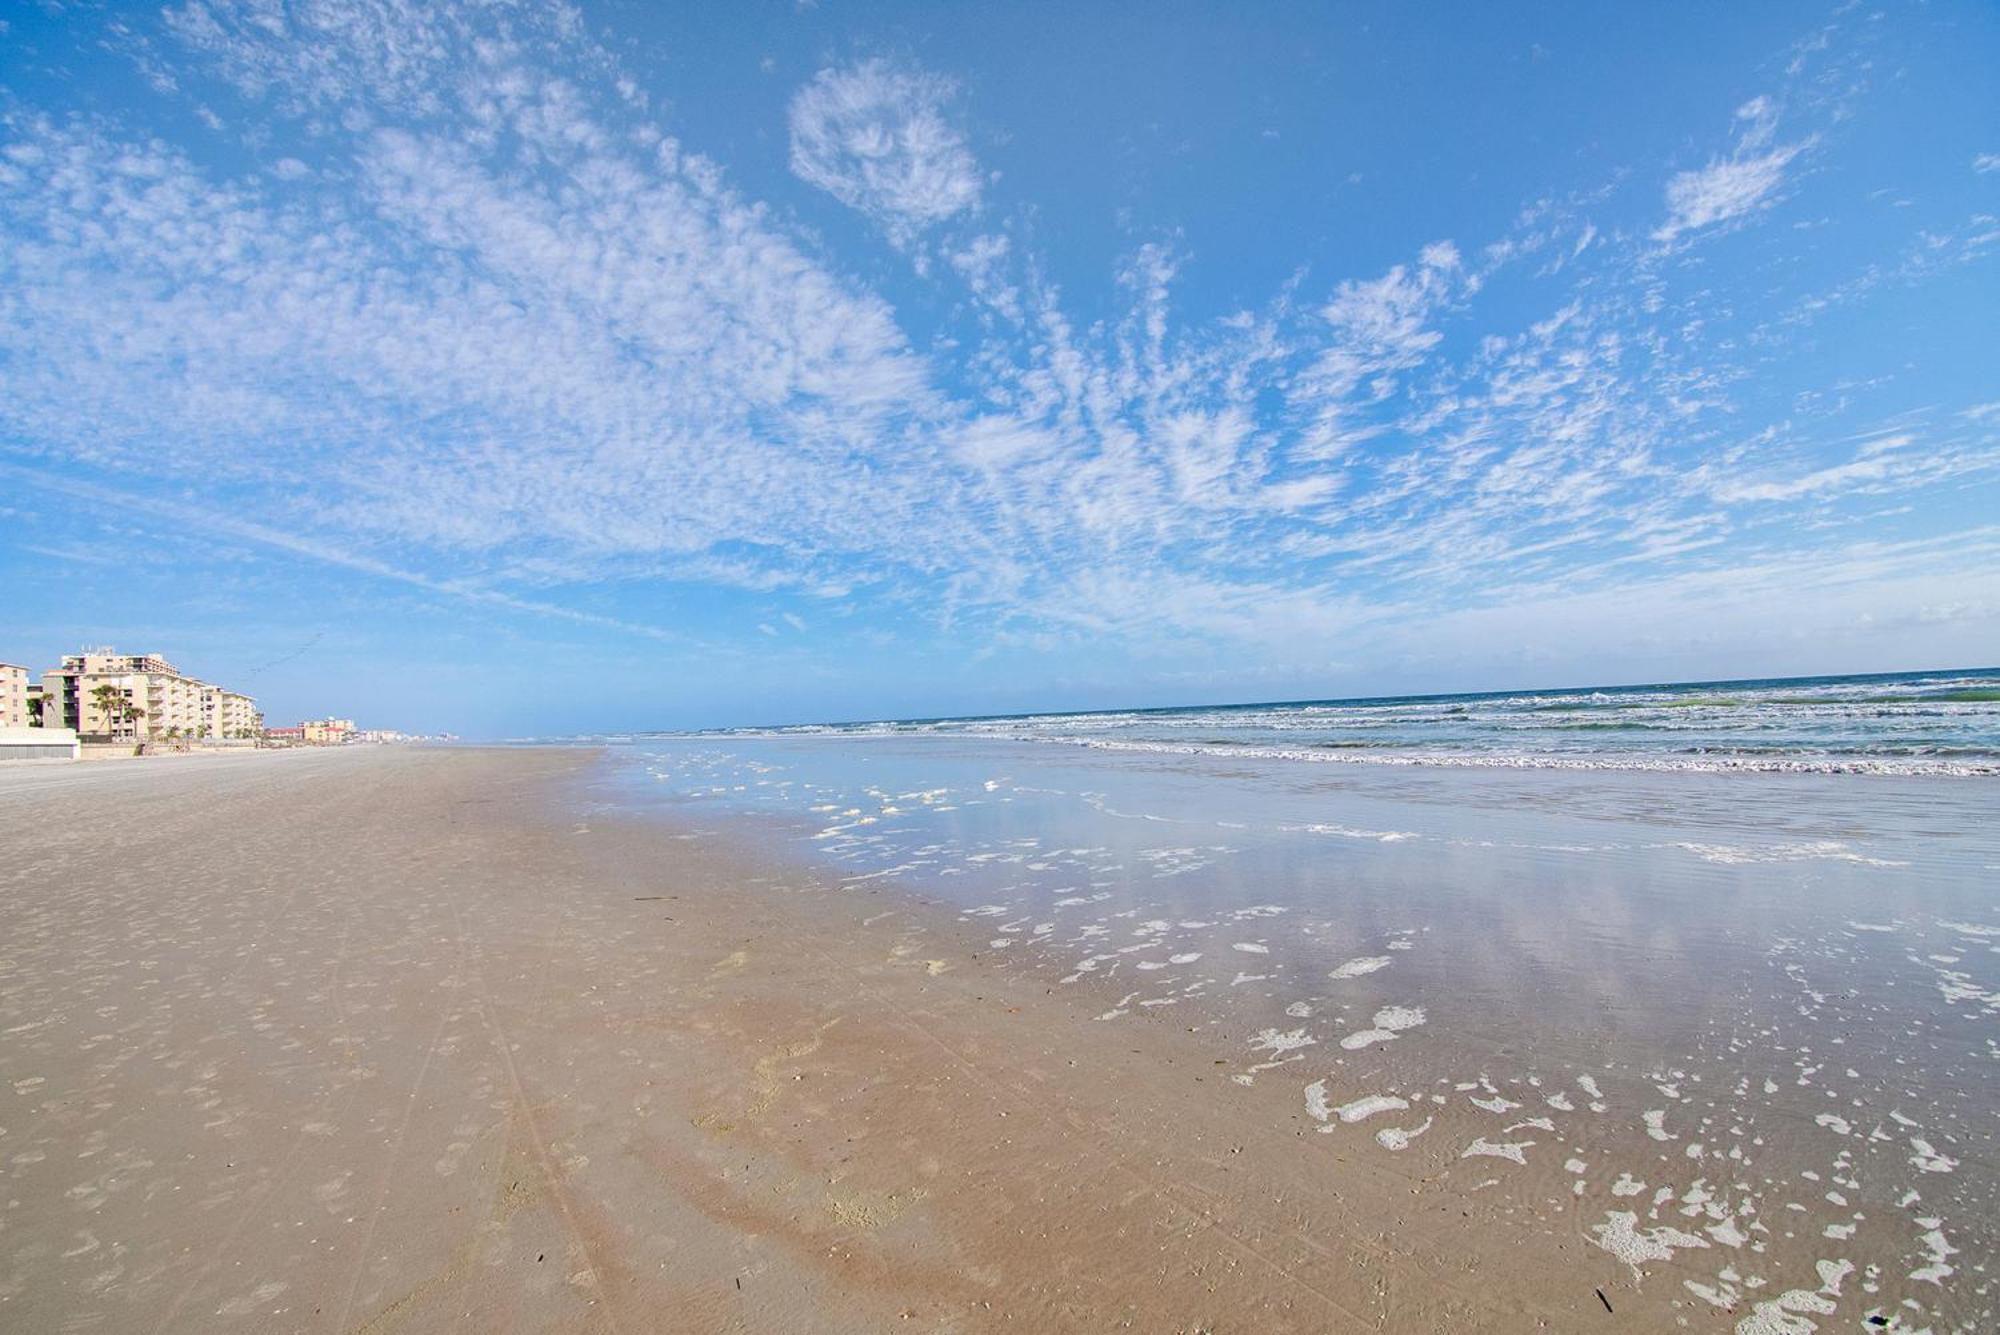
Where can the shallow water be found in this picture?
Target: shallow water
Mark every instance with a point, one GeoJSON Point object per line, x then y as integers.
{"type": "Point", "coordinates": [1741, 1030]}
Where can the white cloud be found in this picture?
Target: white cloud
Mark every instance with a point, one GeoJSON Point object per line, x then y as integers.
{"type": "Point", "coordinates": [1894, 461]}
{"type": "Point", "coordinates": [1835, 478]}
{"type": "Point", "coordinates": [654, 390]}
{"type": "Point", "coordinates": [876, 137]}
{"type": "Point", "coordinates": [1724, 189]}
{"type": "Point", "coordinates": [1730, 187]}
{"type": "Point", "coordinates": [1986, 162]}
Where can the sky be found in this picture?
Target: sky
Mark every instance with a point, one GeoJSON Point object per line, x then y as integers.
{"type": "Point", "coordinates": [512, 368]}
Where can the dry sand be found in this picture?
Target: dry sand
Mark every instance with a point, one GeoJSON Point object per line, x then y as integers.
{"type": "Point", "coordinates": [395, 1040]}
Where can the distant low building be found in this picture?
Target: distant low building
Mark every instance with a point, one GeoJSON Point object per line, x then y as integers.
{"type": "Point", "coordinates": [327, 731]}
{"type": "Point", "coordinates": [286, 736]}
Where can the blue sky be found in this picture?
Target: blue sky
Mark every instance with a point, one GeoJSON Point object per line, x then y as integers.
{"type": "Point", "coordinates": [513, 368]}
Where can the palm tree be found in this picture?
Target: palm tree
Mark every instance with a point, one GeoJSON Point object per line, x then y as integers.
{"type": "Point", "coordinates": [117, 709]}
{"type": "Point", "coordinates": [111, 702]}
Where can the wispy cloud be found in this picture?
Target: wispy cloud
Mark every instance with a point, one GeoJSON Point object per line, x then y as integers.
{"type": "Point", "coordinates": [1727, 188]}
{"type": "Point", "coordinates": [215, 524]}
{"type": "Point", "coordinates": [877, 136]}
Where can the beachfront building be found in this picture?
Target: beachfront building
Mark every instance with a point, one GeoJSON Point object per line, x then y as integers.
{"type": "Point", "coordinates": [327, 731]}
{"type": "Point", "coordinates": [22, 736]}
{"type": "Point", "coordinates": [230, 714]}
{"type": "Point", "coordinates": [285, 736]}
{"type": "Point", "coordinates": [108, 697]}
{"type": "Point", "coordinates": [13, 696]}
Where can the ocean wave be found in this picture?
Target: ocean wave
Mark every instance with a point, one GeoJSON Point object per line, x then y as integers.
{"type": "Point", "coordinates": [1758, 763]}
{"type": "Point", "coordinates": [1945, 723]}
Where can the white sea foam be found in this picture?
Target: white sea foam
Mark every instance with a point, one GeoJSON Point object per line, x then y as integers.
{"type": "Point", "coordinates": [1389, 1021]}
{"type": "Point", "coordinates": [1355, 968]}
{"type": "Point", "coordinates": [1397, 1138]}
{"type": "Point", "coordinates": [1277, 1041]}
{"type": "Point", "coordinates": [1349, 832]}
{"type": "Point", "coordinates": [1936, 1250]}
{"type": "Point", "coordinates": [1928, 1160]}
{"type": "Point", "coordinates": [1821, 849]}
{"type": "Point", "coordinates": [1786, 1314]}
{"type": "Point", "coordinates": [1619, 1234]}
{"type": "Point", "coordinates": [1370, 1106]}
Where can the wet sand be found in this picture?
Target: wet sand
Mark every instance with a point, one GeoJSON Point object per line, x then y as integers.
{"type": "Point", "coordinates": [413, 1040]}
{"type": "Point", "coordinates": [1734, 1029]}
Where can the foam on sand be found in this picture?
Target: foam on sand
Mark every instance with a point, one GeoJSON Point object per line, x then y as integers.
{"type": "Point", "coordinates": [1395, 1138]}
{"type": "Point", "coordinates": [1928, 1160]}
{"type": "Point", "coordinates": [1517, 1151]}
{"type": "Point", "coordinates": [1389, 1021]}
{"type": "Point", "coordinates": [1620, 1235]}
{"type": "Point", "coordinates": [1363, 1108]}
{"type": "Point", "coordinates": [1276, 1041]}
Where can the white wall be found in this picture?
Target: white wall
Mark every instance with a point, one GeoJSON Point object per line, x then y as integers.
{"type": "Point", "coordinates": [38, 744]}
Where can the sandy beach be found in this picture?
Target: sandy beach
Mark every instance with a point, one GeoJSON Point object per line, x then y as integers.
{"type": "Point", "coordinates": [386, 1041]}
{"type": "Point", "coordinates": [429, 1040]}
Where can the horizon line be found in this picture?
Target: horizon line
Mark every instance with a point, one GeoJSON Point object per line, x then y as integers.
{"type": "Point", "coordinates": [1993, 669]}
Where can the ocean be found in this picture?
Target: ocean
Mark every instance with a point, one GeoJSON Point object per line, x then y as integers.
{"type": "Point", "coordinates": [1922, 722]}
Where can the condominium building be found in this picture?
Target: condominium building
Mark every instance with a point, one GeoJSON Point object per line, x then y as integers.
{"type": "Point", "coordinates": [232, 714]}
{"type": "Point", "coordinates": [141, 698]}
{"type": "Point", "coordinates": [13, 696]}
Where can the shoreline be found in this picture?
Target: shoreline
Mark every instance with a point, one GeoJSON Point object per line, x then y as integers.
{"type": "Point", "coordinates": [422, 1039]}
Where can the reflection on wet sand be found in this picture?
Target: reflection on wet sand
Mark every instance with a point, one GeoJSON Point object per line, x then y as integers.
{"type": "Point", "coordinates": [1736, 1030]}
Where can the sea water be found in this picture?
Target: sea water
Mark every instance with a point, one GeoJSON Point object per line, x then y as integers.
{"type": "Point", "coordinates": [1930, 722]}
